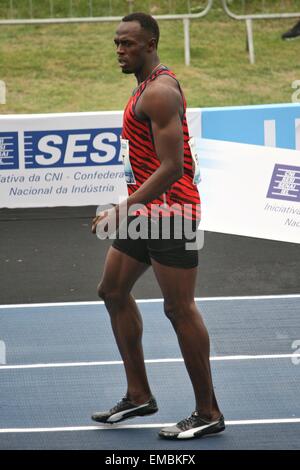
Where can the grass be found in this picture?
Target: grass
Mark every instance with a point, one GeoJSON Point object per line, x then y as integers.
{"type": "Point", "coordinates": [66, 68]}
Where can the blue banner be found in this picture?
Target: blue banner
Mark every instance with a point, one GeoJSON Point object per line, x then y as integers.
{"type": "Point", "coordinates": [270, 125]}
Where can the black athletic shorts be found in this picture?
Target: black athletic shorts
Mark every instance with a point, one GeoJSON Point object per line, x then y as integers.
{"type": "Point", "coordinates": [144, 238]}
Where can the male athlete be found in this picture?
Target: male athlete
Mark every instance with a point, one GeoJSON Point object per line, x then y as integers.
{"type": "Point", "coordinates": [160, 173]}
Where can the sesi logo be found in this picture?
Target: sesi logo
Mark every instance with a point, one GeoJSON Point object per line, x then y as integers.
{"type": "Point", "coordinates": [67, 148]}
{"type": "Point", "coordinates": [285, 183]}
{"type": "Point", "coordinates": [9, 151]}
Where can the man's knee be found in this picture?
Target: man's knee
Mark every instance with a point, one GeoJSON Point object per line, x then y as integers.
{"type": "Point", "coordinates": [102, 291]}
{"type": "Point", "coordinates": [112, 296]}
{"type": "Point", "coordinates": [178, 309]}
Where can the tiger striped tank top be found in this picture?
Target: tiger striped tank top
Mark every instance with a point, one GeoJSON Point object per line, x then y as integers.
{"type": "Point", "coordinates": [182, 197]}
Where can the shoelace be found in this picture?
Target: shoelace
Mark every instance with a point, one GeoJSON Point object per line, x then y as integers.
{"type": "Point", "coordinates": [187, 422]}
{"type": "Point", "coordinates": [119, 404]}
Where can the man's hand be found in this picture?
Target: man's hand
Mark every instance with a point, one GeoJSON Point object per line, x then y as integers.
{"type": "Point", "coordinates": [105, 223]}
{"type": "Point", "coordinates": [97, 220]}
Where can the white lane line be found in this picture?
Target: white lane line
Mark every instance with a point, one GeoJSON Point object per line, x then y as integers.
{"type": "Point", "coordinates": [52, 304]}
{"type": "Point", "coordinates": [147, 361]}
{"type": "Point", "coordinates": [144, 426]}
{"type": "Point", "coordinates": [141, 301]}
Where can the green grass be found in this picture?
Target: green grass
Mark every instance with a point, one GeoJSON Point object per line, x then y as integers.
{"type": "Point", "coordinates": [65, 68]}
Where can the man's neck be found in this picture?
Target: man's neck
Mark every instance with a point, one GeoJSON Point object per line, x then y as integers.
{"type": "Point", "coordinates": [147, 70]}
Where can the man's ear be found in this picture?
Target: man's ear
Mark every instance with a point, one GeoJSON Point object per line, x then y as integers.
{"type": "Point", "coordinates": [152, 44]}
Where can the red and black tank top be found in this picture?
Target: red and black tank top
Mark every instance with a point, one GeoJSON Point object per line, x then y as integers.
{"type": "Point", "coordinates": [182, 197]}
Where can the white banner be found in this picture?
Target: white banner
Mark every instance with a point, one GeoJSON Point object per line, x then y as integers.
{"type": "Point", "coordinates": [74, 159]}
{"type": "Point", "coordinates": [64, 159]}
{"type": "Point", "coordinates": [250, 190]}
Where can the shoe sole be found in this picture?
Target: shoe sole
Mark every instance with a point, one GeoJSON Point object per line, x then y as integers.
{"type": "Point", "coordinates": [219, 427]}
{"type": "Point", "coordinates": [130, 415]}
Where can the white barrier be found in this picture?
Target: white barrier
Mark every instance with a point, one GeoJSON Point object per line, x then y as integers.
{"type": "Point", "coordinates": [250, 190]}
{"type": "Point", "coordinates": [74, 159]}
{"type": "Point", "coordinates": [64, 159]}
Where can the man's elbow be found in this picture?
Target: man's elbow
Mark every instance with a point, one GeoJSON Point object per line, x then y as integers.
{"type": "Point", "coordinates": [178, 173]}
{"type": "Point", "coordinates": [172, 172]}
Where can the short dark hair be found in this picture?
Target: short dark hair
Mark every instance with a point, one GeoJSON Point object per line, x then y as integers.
{"type": "Point", "coordinates": [147, 22]}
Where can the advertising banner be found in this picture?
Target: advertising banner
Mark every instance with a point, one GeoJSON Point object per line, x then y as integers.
{"type": "Point", "coordinates": [250, 190]}
{"type": "Point", "coordinates": [74, 159]}
{"type": "Point", "coordinates": [64, 159]}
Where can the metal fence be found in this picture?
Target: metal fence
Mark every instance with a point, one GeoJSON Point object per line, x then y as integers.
{"type": "Point", "coordinates": [16, 12]}
{"type": "Point", "coordinates": [263, 10]}
{"type": "Point", "coordinates": [184, 10]}
{"type": "Point", "coordinates": [30, 9]}
{"type": "Point", "coordinates": [24, 9]}
{"type": "Point", "coordinates": [249, 7]}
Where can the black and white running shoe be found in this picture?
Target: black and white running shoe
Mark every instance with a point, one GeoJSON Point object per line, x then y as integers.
{"type": "Point", "coordinates": [192, 427]}
{"type": "Point", "coordinates": [124, 409]}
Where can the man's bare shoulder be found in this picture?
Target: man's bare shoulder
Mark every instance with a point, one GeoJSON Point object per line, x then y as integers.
{"type": "Point", "coordinates": [162, 93]}
{"type": "Point", "coordinates": [163, 84]}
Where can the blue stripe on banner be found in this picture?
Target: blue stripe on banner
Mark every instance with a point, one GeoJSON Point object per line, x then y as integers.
{"type": "Point", "coordinates": [247, 124]}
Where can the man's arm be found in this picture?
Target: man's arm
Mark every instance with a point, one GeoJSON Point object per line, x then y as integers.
{"type": "Point", "coordinates": [161, 104]}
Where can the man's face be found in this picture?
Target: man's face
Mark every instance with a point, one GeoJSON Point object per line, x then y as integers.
{"type": "Point", "coordinates": [133, 46]}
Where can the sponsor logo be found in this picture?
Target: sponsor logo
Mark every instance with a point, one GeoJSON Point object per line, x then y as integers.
{"type": "Point", "coordinates": [9, 154]}
{"type": "Point", "coordinates": [69, 148]}
{"type": "Point", "coordinates": [285, 183]}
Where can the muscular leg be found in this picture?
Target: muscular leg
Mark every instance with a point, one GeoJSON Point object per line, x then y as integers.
{"type": "Point", "coordinates": [178, 287]}
{"type": "Point", "coordinates": [120, 274]}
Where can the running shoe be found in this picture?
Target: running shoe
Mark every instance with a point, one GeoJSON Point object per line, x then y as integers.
{"type": "Point", "coordinates": [125, 409]}
{"type": "Point", "coordinates": [191, 427]}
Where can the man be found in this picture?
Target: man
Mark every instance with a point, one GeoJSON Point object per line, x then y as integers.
{"type": "Point", "coordinates": [160, 173]}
